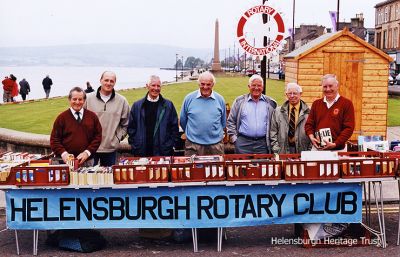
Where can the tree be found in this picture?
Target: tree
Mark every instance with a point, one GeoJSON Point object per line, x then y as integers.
{"type": "Point", "coordinates": [192, 62]}
{"type": "Point", "coordinates": [178, 64]}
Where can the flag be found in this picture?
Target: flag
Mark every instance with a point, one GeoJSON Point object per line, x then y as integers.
{"type": "Point", "coordinates": [290, 31]}
{"type": "Point", "coordinates": [333, 15]}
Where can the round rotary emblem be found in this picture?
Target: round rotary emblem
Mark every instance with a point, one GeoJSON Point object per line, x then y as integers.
{"type": "Point", "coordinates": [274, 43]}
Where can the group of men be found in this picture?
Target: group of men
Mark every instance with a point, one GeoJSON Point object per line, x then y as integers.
{"type": "Point", "coordinates": [95, 125]}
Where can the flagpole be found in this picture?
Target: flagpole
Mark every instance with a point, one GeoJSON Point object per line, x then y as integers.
{"type": "Point", "coordinates": [337, 18]}
{"type": "Point", "coordinates": [293, 28]}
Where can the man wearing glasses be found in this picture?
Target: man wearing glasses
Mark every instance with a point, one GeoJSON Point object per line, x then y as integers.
{"type": "Point", "coordinates": [249, 121]}
{"type": "Point", "coordinates": [287, 125]}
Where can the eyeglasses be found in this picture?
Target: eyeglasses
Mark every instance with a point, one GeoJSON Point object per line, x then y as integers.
{"type": "Point", "coordinates": [292, 93]}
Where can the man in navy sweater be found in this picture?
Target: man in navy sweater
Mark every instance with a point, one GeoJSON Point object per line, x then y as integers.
{"type": "Point", "coordinates": [76, 131]}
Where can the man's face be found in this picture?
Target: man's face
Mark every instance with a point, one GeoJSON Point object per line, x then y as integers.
{"type": "Point", "coordinates": [330, 88]}
{"type": "Point", "coordinates": [256, 88]}
{"type": "Point", "coordinates": [293, 96]}
{"type": "Point", "coordinates": [154, 88]}
{"type": "Point", "coordinates": [206, 85]}
{"type": "Point", "coordinates": [76, 101]}
{"type": "Point", "coordinates": [107, 83]}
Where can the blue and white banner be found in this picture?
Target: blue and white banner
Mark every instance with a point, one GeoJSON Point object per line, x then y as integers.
{"type": "Point", "coordinates": [333, 15]}
{"type": "Point", "coordinates": [183, 207]}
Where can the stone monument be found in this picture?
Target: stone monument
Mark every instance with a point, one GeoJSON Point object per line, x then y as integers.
{"type": "Point", "coordinates": [216, 65]}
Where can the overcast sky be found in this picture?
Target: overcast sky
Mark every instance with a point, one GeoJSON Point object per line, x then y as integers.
{"type": "Point", "coordinates": [184, 23]}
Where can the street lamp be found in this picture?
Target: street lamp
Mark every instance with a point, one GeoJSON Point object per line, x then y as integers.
{"type": "Point", "coordinates": [176, 68]}
{"type": "Point", "coordinates": [182, 67]}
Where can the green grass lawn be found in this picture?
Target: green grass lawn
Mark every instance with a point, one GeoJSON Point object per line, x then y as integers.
{"type": "Point", "coordinates": [38, 117]}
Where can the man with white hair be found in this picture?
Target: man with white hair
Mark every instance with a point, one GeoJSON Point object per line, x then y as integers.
{"type": "Point", "coordinates": [153, 123]}
{"type": "Point", "coordinates": [287, 125]}
{"type": "Point", "coordinates": [203, 118]}
{"type": "Point", "coordinates": [334, 113]}
{"type": "Point", "coordinates": [249, 121]}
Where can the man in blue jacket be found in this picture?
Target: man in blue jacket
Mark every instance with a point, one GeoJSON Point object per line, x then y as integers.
{"type": "Point", "coordinates": [153, 123]}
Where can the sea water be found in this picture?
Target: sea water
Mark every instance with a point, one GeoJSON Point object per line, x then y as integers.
{"type": "Point", "coordinates": [65, 78]}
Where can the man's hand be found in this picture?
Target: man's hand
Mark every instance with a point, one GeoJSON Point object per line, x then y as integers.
{"type": "Point", "coordinates": [64, 156]}
{"type": "Point", "coordinates": [314, 141]}
{"type": "Point", "coordinates": [329, 145]}
{"type": "Point", "coordinates": [82, 157]}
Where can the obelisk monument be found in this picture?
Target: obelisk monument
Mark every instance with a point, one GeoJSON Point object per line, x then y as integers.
{"type": "Point", "coordinates": [216, 65]}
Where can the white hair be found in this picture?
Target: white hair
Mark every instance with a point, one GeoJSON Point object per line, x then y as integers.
{"type": "Point", "coordinates": [329, 76]}
{"type": "Point", "coordinates": [256, 77]}
{"type": "Point", "coordinates": [206, 75]}
{"type": "Point", "coordinates": [294, 85]}
{"type": "Point", "coordinates": [153, 78]}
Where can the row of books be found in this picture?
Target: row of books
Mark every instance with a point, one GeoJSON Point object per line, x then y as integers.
{"type": "Point", "coordinates": [92, 176]}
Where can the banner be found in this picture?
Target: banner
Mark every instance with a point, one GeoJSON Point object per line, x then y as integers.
{"type": "Point", "coordinates": [183, 207]}
{"type": "Point", "coordinates": [333, 15]}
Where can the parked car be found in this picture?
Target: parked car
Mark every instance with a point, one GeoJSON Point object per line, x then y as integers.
{"type": "Point", "coordinates": [391, 81]}
{"type": "Point", "coordinates": [251, 72]}
{"type": "Point", "coordinates": [397, 79]}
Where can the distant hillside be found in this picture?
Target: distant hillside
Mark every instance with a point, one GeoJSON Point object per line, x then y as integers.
{"type": "Point", "coordinates": [133, 55]}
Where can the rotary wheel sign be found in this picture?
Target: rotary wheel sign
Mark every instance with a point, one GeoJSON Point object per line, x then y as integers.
{"type": "Point", "coordinates": [277, 37]}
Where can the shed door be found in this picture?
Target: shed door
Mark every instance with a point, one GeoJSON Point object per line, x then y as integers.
{"type": "Point", "coordinates": [348, 67]}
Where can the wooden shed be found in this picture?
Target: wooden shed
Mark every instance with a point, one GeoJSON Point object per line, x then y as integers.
{"type": "Point", "coordinates": [361, 69]}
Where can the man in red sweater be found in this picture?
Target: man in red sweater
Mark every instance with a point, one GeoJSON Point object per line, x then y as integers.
{"type": "Point", "coordinates": [76, 131]}
{"type": "Point", "coordinates": [332, 112]}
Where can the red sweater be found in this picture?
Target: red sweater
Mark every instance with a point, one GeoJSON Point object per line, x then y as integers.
{"type": "Point", "coordinates": [339, 118]}
{"type": "Point", "coordinates": [74, 137]}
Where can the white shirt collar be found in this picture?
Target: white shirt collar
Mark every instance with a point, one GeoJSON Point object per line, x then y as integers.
{"type": "Point", "coordinates": [329, 105]}
{"type": "Point", "coordinates": [153, 100]}
{"type": "Point", "coordinates": [199, 94]}
{"type": "Point", "coordinates": [73, 113]}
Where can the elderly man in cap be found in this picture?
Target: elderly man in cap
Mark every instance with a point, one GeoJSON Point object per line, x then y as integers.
{"type": "Point", "coordinates": [249, 121]}
{"type": "Point", "coordinates": [287, 125]}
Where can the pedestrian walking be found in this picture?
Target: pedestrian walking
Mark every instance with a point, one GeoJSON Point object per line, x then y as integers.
{"type": "Point", "coordinates": [47, 83]}
{"type": "Point", "coordinates": [24, 88]}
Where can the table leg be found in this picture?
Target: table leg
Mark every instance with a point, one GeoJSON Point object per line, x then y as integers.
{"type": "Point", "coordinates": [16, 241]}
{"type": "Point", "coordinates": [219, 240]}
{"type": "Point", "coordinates": [383, 214]}
{"type": "Point", "coordinates": [369, 204]}
{"type": "Point", "coordinates": [398, 226]}
{"type": "Point", "coordinates": [378, 210]}
{"type": "Point", "coordinates": [194, 237]}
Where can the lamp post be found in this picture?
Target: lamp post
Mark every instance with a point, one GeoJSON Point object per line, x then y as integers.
{"type": "Point", "coordinates": [229, 61]}
{"type": "Point", "coordinates": [182, 67]}
{"type": "Point", "coordinates": [176, 67]}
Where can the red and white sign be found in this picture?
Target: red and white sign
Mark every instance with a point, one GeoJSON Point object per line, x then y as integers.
{"type": "Point", "coordinates": [278, 38]}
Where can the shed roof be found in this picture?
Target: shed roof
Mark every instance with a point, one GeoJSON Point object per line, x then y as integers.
{"type": "Point", "coordinates": [327, 38]}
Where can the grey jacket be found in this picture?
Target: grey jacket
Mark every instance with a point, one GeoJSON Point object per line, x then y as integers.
{"type": "Point", "coordinates": [234, 118]}
{"type": "Point", "coordinates": [113, 116]}
{"type": "Point", "coordinates": [280, 127]}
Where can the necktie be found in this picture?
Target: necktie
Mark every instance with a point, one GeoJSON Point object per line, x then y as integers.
{"type": "Point", "coordinates": [292, 123]}
{"type": "Point", "coordinates": [79, 116]}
